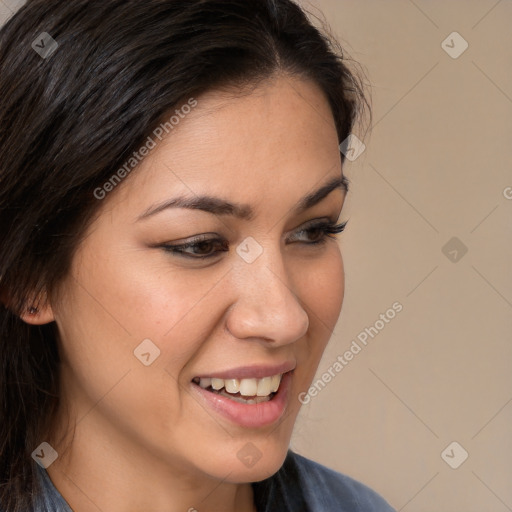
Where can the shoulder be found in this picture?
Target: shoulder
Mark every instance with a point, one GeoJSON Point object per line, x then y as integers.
{"type": "Point", "coordinates": [330, 487]}
{"type": "Point", "coordinates": [44, 495]}
{"type": "Point", "coordinates": [308, 485]}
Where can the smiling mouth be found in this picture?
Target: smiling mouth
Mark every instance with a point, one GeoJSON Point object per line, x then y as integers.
{"type": "Point", "coordinates": [245, 391]}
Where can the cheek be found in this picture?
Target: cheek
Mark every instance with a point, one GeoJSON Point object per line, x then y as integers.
{"type": "Point", "coordinates": [172, 308]}
{"type": "Point", "coordinates": [135, 298]}
{"type": "Point", "coordinates": [109, 308]}
{"type": "Point", "coordinates": [322, 293]}
{"type": "Point", "coordinates": [333, 283]}
{"type": "Point", "coordinates": [110, 305]}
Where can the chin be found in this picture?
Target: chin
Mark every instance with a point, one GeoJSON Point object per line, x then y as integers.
{"type": "Point", "coordinates": [244, 459]}
{"type": "Point", "coordinates": [263, 468]}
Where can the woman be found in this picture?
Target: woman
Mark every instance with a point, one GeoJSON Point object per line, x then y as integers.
{"type": "Point", "coordinates": [170, 189]}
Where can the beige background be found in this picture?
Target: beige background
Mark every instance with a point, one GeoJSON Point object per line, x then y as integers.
{"type": "Point", "coordinates": [436, 166]}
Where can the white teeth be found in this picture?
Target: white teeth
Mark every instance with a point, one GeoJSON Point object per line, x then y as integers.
{"type": "Point", "coordinates": [232, 385]}
{"type": "Point", "coordinates": [276, 381]}
{"type": "Point", "coordinates": [205, 382]}
{"type": "Point", "coordinates": [264, 386]}
{"type": "Point", "coordinates": [217, 383]}
{"type": "Point", "coordinates": [246, 387]}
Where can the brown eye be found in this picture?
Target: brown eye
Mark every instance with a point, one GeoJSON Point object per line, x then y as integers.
{"type": "Point", "coordinates": [200, 249]}
{"type": "Point", "coordinates": [321, 231]}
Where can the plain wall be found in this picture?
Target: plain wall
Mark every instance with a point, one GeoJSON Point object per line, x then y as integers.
{"type": "Point", "coordinates": [437, 166]}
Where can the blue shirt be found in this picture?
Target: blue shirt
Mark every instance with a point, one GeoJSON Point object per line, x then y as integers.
{"type": "Point", "coordinates": [300, 485]}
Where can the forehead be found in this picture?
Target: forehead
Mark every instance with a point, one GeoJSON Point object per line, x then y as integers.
{"type": "Point", "coordinates": [278, 138]}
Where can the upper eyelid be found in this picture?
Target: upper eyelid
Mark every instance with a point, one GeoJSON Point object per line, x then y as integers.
{"type": "Point", "coordinates": [305, 225]}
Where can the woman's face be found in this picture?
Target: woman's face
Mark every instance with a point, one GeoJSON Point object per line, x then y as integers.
{"type": "Point", "coordinates": [140, 325]}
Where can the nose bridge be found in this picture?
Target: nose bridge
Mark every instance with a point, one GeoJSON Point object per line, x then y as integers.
{"type": "Point", "coordinates": [266, 302]}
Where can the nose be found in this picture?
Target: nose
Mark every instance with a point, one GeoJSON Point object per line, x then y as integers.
{"type": "Point", "coordinates": [267, 306]}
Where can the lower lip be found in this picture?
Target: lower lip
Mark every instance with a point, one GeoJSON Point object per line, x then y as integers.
{"type": "Point", "coordinates": [249, 415]}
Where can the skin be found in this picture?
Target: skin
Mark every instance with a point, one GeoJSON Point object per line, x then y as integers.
{"type": "Point", "coordinates": [141, 440]}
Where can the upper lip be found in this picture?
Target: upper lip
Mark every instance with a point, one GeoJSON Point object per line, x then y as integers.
{"type": "Point", "coordinates": [251, 372]}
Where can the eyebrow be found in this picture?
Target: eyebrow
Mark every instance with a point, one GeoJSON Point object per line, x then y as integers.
{"type": "Point", "coordinates": [218, 206]}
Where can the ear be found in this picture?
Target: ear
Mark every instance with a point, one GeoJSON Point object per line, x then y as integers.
{"type": "Point", "coordinates": [38, 311]}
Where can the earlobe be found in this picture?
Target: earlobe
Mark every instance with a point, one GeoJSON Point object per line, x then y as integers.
{"type": "Point", "coordinates": [35, 313]}
{"type": "Point", "coordinates": [38, 313]}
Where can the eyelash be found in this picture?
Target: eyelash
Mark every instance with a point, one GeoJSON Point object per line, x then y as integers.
{"type": "Point", "coordinates": [328, 229]}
